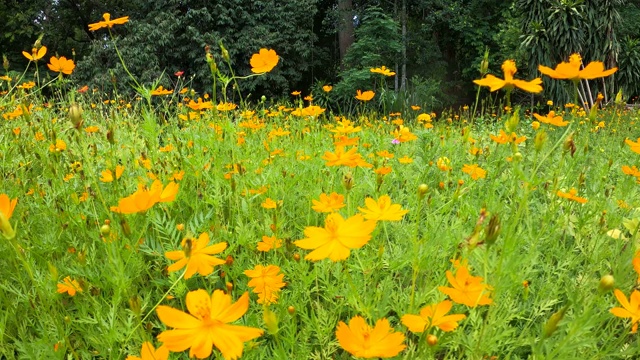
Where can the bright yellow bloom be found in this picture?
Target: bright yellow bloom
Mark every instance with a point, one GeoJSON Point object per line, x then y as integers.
{"type": "Point", "coordinates": [36, 54]}
{"type": "Point", "coordinates": [61, 65]}
{"type": "Point", "coordinates": [382, 70]}
{"type": "Point", "coordinates": [363, 341]}
{"type": "Point", "coordinates": [269, 243]}
{"type": "Point", "coordinates": [148, 352]}
{"type": "Point", "coordinates": [551, 119]}
{"type": "Point", "coordinates": [571, 195]}
{"type": "Point", "coordinates": [383, 209]}
{"type": "Point", "coordinates": [107, 175]}
{"type": "Point", "coordinates": [6, 210]}
{"type": "Point", "coordinates": [266, 282]}
{"type": "Point", "coordinates": [433, 315]}
{"type": "Point", "coordinates": [269, 204]}
{"type": "Point", "coordinates": [69, 286]}
{"type": "Point", "coordinates": [474, 171]}
{"type": "Point", "coordinates": [365, 96]}
{"type": "Point", "coordinates": [634, 145]}
{"type": "Point", "coordinates": [144, 199]}
{"type": "Point", "coordinates": [327, 88]}
{"type": "Point", "coordinates": [503, 138]}
{"type": "Point", "coordinates": [328, 203]}
{"type": "Point", "coordinates": [466, 289]}
{"type": "Point", "coordinates": [509, 69]}
{"type": "Point", "coordinates": [350, 158]}
{"type": "Point", "coordinates": [405, 160]}
{"type": "Point", "coordinates": [337, 238]}
{"type": "Point", "coordinates": [196, 255]}
{"type": "Point", "coordinates": [403, 134]}
{"type": "Point", "coordinates": [161, 91]}
{"type": "Point", "coordinates": [108, 22]}
{"type": "Point", "coordinates": [443, 163]}
{"type": "Point", "coordinates": [60, 145]}
{"type": "Point", "coordinates": [207, 325]}
{"type": "Point", "coordinates": [200, 105]}
{"type": "Point", "coordinates": [571, 70]}
{"type": "Point", "coordinates": [226, 106]}
{"type": "Point", "coordinates": [630, 308]}
{"type": "Point", "coordinates": [264, 61]}
{"type": "Point", "coordinates": [385, 154]}
{"type": "Point", "coordinates": [633, 171]}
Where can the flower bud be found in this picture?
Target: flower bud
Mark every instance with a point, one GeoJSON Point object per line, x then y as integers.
{"type": "Point", "coordinates": [5, 63]}
{"type": "Point", "coordinates": [291, 310]}
{"type": "Point", "coordinates": [75, 114]}
{"type": "Point", "coordinates": [105, 230]}
{"type": "Point", "coordinates": [512, 123]}
{"type": "Point", "coordinates": [422, 190]}
{"type": "Point", "coordinates": [607, 283]}
{"type": "Point", "coordinates": [492, 231]}
{"type": "Point", "coordinates": [347, 181]}
{"type": "Point", "coordinates": [229, 286]}
{"type": "Point", "coordinates": [270, 320]}
{"type": "Point", "coordinates": [5, 227]}
{"type": "Point", "coordinates": [432, 340]}
{"type": "Point", "coordinates": [539, 140]}
{"type": "Point", "coordinates": [225, 53]}
{"type": "Point", "coordinates": [552, 324]}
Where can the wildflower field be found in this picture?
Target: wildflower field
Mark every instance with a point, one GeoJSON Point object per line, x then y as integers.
{"type": "Point", "coordinates": [180, 224]}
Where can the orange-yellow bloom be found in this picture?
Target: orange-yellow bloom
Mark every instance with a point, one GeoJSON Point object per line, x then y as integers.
{"type": "Point", "coordinates": [633, 145]}
{"type": "Point", "coordinates": [264, 61]}
{"type": "Point", "coordinates": [503, 138]}
{"type": "Point", "coordinates": [143, 199]}
{"type": "Point", "coordinates": [403, 134]}
{"type": "Point", "coordinates": [7, 206]}
{"type": "Point", "coordinates": [161, 91]}
{"type": "Point", "coordinates": [69, 286]}
{"type": "Point", "coordinates": [571, 70]}
{"type": "Point", "coordinates": [108, 22]}
{"type": "Point", "coordinates": [337, 238]}
{"type": "Point", "coordinates": [571, 195]}
{"type": "Point", "coordinates": [466, 289]}
{"type": "Point", "coordinates": [433, 315]}
{"type": "Point", "coordinates": [266, 282]}
{"type": "Point", "coordinates": [636, 264]}
{"type": "Point", "coordinates": [327, 88]}
{"type": "Point", "coordinates": [107, 175]}
{"type": "Point", "coordinates": [61, 65]}
{"type": "Point", "coordinates": [148, 352]}
{"type": "Point", "coordinates": [630, 308]}
{"type": "Point", "coordinates": [382, 70]}
{"type": "Point", "coordinates": [36, 54]}
{"type": "Point", "coordinates": [363, 341]}
{"type": "Point", "coordinates": [474, 171]}
{"type": "Point", "coordinates": [509, 69]}
{"type": "Point", "coordinates": [269, 204]}
{"type": "Point", "coordinates": [269, 243]}
{"type": "Point", "coordinates": [350, 158]}
{"type": "Point", "coordinates": [365, 96]}
{"type": "Point", "coordinates": [382, 209]}
{"type": "Point", "coordinates": [196, 255]}
{"type": "Point", "coordinates": [207, 325]}
{"type": "Point", "coordinates": [328, 203]}
{"type": "Point", "coordinates": [551, 119]}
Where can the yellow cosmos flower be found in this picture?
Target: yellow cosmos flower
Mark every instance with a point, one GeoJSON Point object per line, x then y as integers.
{"type": "Point", "coordinates": [503, 138]}
{"type": "Point", "coordinates": [633, 145]}
{"type": "Point", "coordinates": [571, 70]}
{"type": "Point", "coordinates": [571, 195]}
{"type": "Point", "coordinates": [382, 70]}
{"type": "Point", "coordinates": [403, 134]}
{"type": "Point", "coordinates": [226, 106]}
{"type": "Point", "coordinates": [269, 204]}
{"type": "Point", "coordinates": [264, 61]}
{"type": "Point", "coordinates": [337, 238]}
{"type": "Point", "coordinates": [551, 119]}
{"type": "Point", "coordinates": [108, 23]}
{"type": "Point", "coordinates": [196, 256]}
{"type": "Point", "coordinates": [474, 171]}
{"type": "Point", "coordinates": [365, 96]}
{"type": "Point", "coordinates": [363, 341]}
{"type": "Point", "coordinates": [60, 145]}
{"type": "Point", "coordinates": [328, 203]}
{"type": "Point", "coordinates": [161, 91]}
{"type": "Point", "coordinates": [630, 308]}
{"type": "Point", "coordinates": [433, 315]}
{"type": "Point", "coordinates": [69, 286]}
{"type": "Point", "coordinates": [327, 88]}
{"type": "Point", "coordinates": [405, 160]}
{"type": "Point", "coordinates": [143, 199]}
{"type": "Point", "coordinates": [266, 282]}
{"type": "Point", "coordinates": [148, 352]}
{"type": "Point", "coordinates": [269, 243]}
{"type": "Point", "coordinates": [6, 210]}
{"type": "Point", "coordinates": [509, 69]}
{"type": "Point", "coordinates": [61, 65]}
{"type": "Point", "coordinates": [207, 325]}
{"type": "Point", "coordinates": [382, 209]}
{"type": "Point", "coordinates": [350, 158]}
{"type": "Point", "coordinates": [36, 54]}
{"type": "Point", "coordinates": [466, 289]}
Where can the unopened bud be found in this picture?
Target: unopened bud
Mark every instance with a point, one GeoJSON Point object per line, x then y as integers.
{"type": "Point", "coordinates": [229, 286]}
{"type": "Point", "coordinates": [296, 257]}
{"type": "Point", "coordinates": [229, 260]}
{"type": "Point", "coordinates": [225, 53]}
{"type": "Point", "coordinates": [5, 63]}
{"type": "Point", "coordinates": [569, 145]}
{"type": "Point", "coordinates": [539, 140]}
{"type": "Point", "coordinates": [347, 181]}
{"type": "Point", "coordinates": [432, 340]}
{"type": "Point", "coordinates": [607, 283]}
{"type": "Point", "coordinates": [512, 123]}
{"type": "Point", "coordinates": [105, 230]}
{"type": "Point", "coordinates": [422, 190]}
{"type": "Point", "coordinates": [291, 310]}
{"type": "Point", "coordinates": [492, 231]}
{"type": "Point", "coordinates": [552, 324]}
{"type": "Point", "coordinates": [75, 113]}
{"type": "Point", "coordinates": [270, 320]}
{"type": "Point", "coordinates": [5, 227]}
{"type": "Point", "coordinates": [134, 305]}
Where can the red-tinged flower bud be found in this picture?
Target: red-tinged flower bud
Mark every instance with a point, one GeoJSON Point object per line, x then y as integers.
{"type": "Point", "coordinates": [229, 260]}
{"type": "Point", "coordinates": [291, 310]}
{"type": "Point", "coordinates": [229, 286]}
{"type": "Point", "coordinates": [296, 257]}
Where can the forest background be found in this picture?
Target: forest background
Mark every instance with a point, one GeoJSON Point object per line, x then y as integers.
{"type": "Point", "coordinates": [434, 46]}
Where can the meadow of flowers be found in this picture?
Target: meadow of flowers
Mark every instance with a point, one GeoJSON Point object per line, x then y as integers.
{"type": "Point", "coordinates": [176, 225]}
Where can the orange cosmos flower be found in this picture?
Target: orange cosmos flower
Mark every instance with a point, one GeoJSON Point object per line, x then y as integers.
{"type": "Point", "coordinates": [503, 138]}
{"type": "Point", "coordinates": [383, 209]}
{"type": "Point", "coordinates": [6, 210]}
{"type": "Point", "coordinates": [363, 341]}
{"type": "Point", "coordinates": [269, 243]}
{"type": "Point", "coordinates": [61, 65]}
{"type": "Point", "coordinates": [327, 88]}
{"type": "Point", "coordinates": [633, 145]}
{"type": "Point", "coordinates": [551, 119]}
{"type": "Point", "coordinates": [365, 96]}
{"type": "Point", "coordinates": [161, 91]}
{"type": "Point", "coordinates": [385, 154]}
{"type": "Point", "coordinates": [196, 255]}
{"type": "Point", "coordinates": [108, 23]}
{"type": "Point", "coordinates": [571, 70]}
{"type": "Point", "coordinates": [571, 195]}
{"type": "Point", "coordinates": [466, 289]}
{"type": "Point", "coordinates": [69, 286]}
{"type": "Point", "coordinates": [474, 171]}
{"type": "Point", "coordinates": [405, 160]}
{"type": "Point", "coordinates": [60, 145]}
{"type": "Point", "coordinates": [636, 264]}
{"type": "Point", "coordinates": [350, 158]}
{"type": "Point", "coordinates": [266, 282]}
{"type": "Point", "coordinates": [264, 61]}
{"type": "Point", "coordinates": [382, 70]}
{"type": "Point", "coordinates": [328, 203]}
{"type": "Point", "coordinates": [143, 199]}
{"type": "Point", "coordinates": [107, 175]}
{"type": "Point", "coordinates": [148, 352]}
{"type": "Point", "coordinates": [509, 69]}
{"type": "Point", "coordinates": [226, 106]}
{"type": "Point", "coordinates": [630, 308]}
{"type": "Point", "coordinates": [200, 105]}
{"type": "Point", "coordinates": [269, 204]}
{"type": "Point", "coordinates": [36, 54]}
{"type": "Point", "coordinates": [433, 315]}
{"type": "Point", "coordinates": [633, 171]}
{"type": "Point", "coordinates": [403, 134]}
{"type": "Point", "coordinates": [207, 325]}
{"type": "Point", "coordinates": [337, 238]}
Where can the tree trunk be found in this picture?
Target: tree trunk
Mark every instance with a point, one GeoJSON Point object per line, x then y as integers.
{"type": "Point", "coordinates": [345, 32]}
{"type": "Point", "coordinates": [403, 81]}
